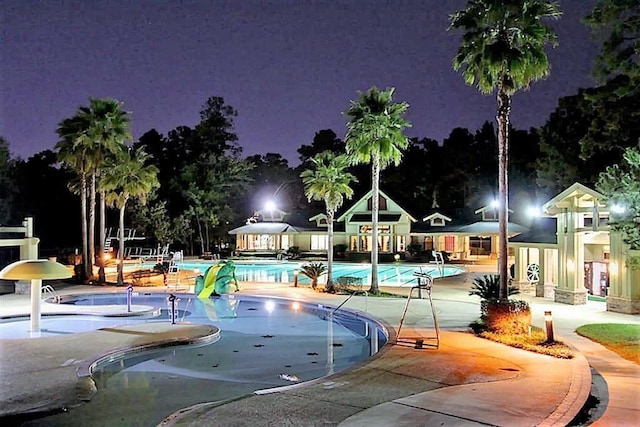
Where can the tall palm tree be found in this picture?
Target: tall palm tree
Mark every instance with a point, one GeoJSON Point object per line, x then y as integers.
{"type": "Point", "coordinates": [330, 182]}
{"type": "Point", "coordinates": [108, 131]}
{"type": "Point", "coordinates": [95, 131]}
{"type": "Point", "coordinates": [503, 51]}
{"type": "Point", "coordinates": [128, 177]}
{"type": "Point", "coordinates": [71, 153]}
{"type": "Point", "coordinates": [375, 135]}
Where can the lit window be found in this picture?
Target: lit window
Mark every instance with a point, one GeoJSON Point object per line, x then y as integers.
{"type": "Point", "coordinates": [319, 242]}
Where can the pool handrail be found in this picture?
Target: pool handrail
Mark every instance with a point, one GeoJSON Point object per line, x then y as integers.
{"type": "Point", "coordinates": [366, 300]}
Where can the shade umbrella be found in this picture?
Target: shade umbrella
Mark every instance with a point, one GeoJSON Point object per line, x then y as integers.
{"type": "Point", "coordinates": [35, 270]}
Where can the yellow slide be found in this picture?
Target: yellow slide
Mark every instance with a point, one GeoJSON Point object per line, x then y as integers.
{"type": "Point", "coordinates": [209, 282]}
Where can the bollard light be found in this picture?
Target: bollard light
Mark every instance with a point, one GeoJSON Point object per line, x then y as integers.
{"type": "Point", "coordinates": [548, 322]}
{"type": "Point", "coordinates": [172, 300]}
{"type": "Point", "coordinates": [295, 278]}
{"type": "Point", "coordinates": [129, 294]}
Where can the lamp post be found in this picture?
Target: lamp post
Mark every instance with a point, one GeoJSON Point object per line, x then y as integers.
{"type": "Point", "coordinates": [35, 270]}
{"type": "Point", "coordinates": [548, 322]}
{"type": "Point", "coordinates": [295, 278]}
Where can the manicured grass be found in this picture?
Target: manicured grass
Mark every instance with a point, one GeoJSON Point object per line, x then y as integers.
{"type": "Point", "coordinates": [620, 338]}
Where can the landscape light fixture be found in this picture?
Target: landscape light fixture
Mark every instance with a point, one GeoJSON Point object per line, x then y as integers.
{"type": "Point", "coordinates": [35, 270]}
{"type": "Point", "coordinates": [548, 322]}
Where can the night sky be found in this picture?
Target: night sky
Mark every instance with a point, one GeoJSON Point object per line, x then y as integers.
{"type": "Point", "coordinates": [288, 67]}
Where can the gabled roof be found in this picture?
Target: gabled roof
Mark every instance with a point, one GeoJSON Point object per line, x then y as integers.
{"type": "Point", "coordinates": [265, 228]}
{"type": "Point", "coordinates": [481, 228]}
{"type": "Point", "coordinates": [577, 195]}
{"type": "Point", "coordinates": [364, 198]}
{"type": "Point", "coordinates": [487, 208]}
{"type": "Point", "coordinates": [272, 215]}
{"type": "Point", "coordinates": [321, 215]}
{"type": "Point", "coordinates": [427, 228]}
{"type": "Point", "coordinates": [543, 231]}
{"type": "Point", "coordinates": [436, 215]}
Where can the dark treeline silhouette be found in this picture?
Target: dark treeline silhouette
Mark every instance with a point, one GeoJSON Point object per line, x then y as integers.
{"type": "Point", "coordinates": [207, 187]}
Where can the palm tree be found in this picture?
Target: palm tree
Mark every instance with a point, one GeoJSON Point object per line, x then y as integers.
{"type": "Point", "coordinates": [375, 135]}
{"type": "Point", "coordinates": [91, 134]}
{"type": "Point", "coordinates": [107, 133]}
{"type": "Point", "coordinates": [127, 177]}
{"type": "Point", "coordinates": [502, 50]}
{"type": "Point", "coordinates": [328, 181]}
{"type": "Point", "coordinates": [71, 153]}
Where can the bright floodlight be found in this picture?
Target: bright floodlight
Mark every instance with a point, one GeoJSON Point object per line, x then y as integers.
{"type": "Point", "coordinates": [270, 205]}
{"type": "Point", "coordinates": [534, 212]}
{"type": "Point", "coordinates": [616, 208]}
{"type": "Point", "coordinates": [495, 203]}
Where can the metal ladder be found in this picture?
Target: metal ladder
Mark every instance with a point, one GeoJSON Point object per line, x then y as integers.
{"type": "Point", "coordinates": [49, 292]}
{"type": "Point", "coordinates": [425, 282]}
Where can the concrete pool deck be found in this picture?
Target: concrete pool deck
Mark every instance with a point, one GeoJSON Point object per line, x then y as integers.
{"type": "Point", "coordinates": [468, 381]}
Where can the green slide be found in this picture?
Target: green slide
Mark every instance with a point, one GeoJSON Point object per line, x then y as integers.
{"type": "Point", "coordinates": [217, 280]}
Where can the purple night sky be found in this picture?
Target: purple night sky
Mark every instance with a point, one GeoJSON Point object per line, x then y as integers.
{"type": "Point", "coordinates": [289, 67]}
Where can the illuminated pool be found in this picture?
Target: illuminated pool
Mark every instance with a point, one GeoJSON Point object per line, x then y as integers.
{"type": "Point", "coordinates": [283, 271]}
{"type": "Point", "coordinates": [264, 343]}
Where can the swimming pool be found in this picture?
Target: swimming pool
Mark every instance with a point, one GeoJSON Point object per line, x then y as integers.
{"type": "Point", "coordinates": [396, 275]}
{"type": "Point", "coordinates": [264, 343]}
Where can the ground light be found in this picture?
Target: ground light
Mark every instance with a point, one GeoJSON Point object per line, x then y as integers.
{"type": "Point", "coordinates": [548, 322]}
{"type": "Point", "coordinates": [35, 270]}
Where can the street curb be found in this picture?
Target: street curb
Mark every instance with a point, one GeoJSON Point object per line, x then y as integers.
{"type": "Point", "coordinates": [577, 395]}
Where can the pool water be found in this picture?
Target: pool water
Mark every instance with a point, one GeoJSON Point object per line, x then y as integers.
{"type": "Point", "coordinates": [284, 272]}
{"type": "Point", "coordinates": [264, 343]}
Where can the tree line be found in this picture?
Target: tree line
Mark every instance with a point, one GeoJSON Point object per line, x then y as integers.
{"type": "Point", "coordinates": [195, 185]}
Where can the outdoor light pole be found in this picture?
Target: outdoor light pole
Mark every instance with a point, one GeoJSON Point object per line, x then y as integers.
{"type": "Point", "coordinates": [295, 278]}
{"type": "Point", "coordinates": [548, 321]}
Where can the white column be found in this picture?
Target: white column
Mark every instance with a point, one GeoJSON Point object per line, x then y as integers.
{"type": "Point", "coordinates": [36, 302]}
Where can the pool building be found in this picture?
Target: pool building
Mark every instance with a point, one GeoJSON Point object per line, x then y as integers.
{"type": "Point", "coordinates": [573, 256]}
{"type": "Point", "coordinates": [270, 231]}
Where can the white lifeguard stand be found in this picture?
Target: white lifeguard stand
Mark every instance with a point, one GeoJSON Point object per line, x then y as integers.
{"type": "Point", "coordinates": [28, 249]}
{"type": "Point", "coordinates": [28, 244]}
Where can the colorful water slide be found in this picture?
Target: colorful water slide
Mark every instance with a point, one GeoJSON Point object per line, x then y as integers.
{"type": "Point", "coordinates": [209, 281]}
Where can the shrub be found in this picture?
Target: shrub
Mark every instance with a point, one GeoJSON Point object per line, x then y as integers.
{"type": "Point", "coordinates": [349, 284]}
{"type": "Point", "coordinates": [507, 317]}
{"type": "Point", "coordinates": [313, 271]}
{"type": "Point", "coordinates": [340, 250]}
{"type": "Point", "coordinates": [293, 252]}
{"type": "Point", "coordinates": [487, 287]}
{"type": "Point", "coordinates": [414, 248]}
